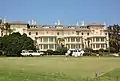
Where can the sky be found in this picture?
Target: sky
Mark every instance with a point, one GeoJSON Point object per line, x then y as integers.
{"type": "Point", "coordinates": [69, 12]}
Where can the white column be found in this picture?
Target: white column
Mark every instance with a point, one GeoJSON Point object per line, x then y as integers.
{"type": "Point", "coordinates": [48, 46]}
{"type": "Point", "coordinates": [75, 40]}
{"type": "Point", "coordinates": [54, 46]}
{"type": "Point", "coordinates": [42, 39]}
{"type": "Point", "coordinates": [39, 47]}
{"type": "Point", "coordinates": [70, 46]}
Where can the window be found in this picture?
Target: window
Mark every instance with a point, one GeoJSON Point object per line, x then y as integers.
{"type": "Point", "coordinates": [68, 46]}
{"type": "Point", "coordinates": [46, 46]}
{"type": "Point", "coordinates": [82, 33]}
{"type": "Point", "coordinates": [72, 32]}
{"type": "Point", "coordinates": [102, 39]}
{"type": "Point", "coordinates": [78, 39]}
{"type": "Point", "coordinates": [77, 45]}
{"type": "Point", "coordinates": [51, 39]}
{"type": "Point", "coordinates": [68, 39]}
{"type": "Point", "coordinates": [36, 33]}
{"type": "Point", "coordinates": [45, 39]}
{"type": "Point", "coordinates": [97, 45]}
{"type": "Point", "coordinates": [72, 39]}
{"type": "Point", "coordinates": [41, 46]}
{"type": "Point", "coordinates": [72, 46]}
{"type": "Point", "coordinates": [102, 45]}
{"type": "Point", "coordinates": [97, 39]}
{"type": "Point", "coordinates": [93, 45]}
{"type": "Point", "coordinates": [29, 33]}
{"type": "Point", "coordinates": [87, 33]}
{"type": "Point", "coordinates": [57, 33]}
{"type": "Point", "coordinates": [40, 39]}
{"type": "Point", "coordinates": [51, 46]}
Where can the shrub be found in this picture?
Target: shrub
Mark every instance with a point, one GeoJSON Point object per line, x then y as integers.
{"type": "Point", "coordinates": [49, 52]}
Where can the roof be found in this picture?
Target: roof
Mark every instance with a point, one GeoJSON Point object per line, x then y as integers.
{"type": "Point", "coordinates": [95, 24]}
{"type": "Point", "coordinates": [18, 23]}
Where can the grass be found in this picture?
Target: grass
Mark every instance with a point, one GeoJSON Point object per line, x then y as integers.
{"type": "Point", "coordinates": [54, 68]}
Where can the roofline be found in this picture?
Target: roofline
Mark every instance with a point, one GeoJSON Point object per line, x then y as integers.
{"type": "Point", "coordinates": [15, 23]}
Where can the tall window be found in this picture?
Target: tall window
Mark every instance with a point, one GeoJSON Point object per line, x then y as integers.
{"type": "Point", "coordinates": [93, 39]}
{"type": "Point", "coordinates": [93, 45]}
{"type": "Point", "coordinates": [78, 39]}
{"type": "Point", "coordinates": [68, 39]}
{"type": "Point", "coordinates": [51, 39]}
{"type": "Point", "coordinates": [45, 39]}
{"type": "Point", "coordinates": [72, 46]}
{"type": "Point", "coordinates": [51, 46]}
{"type": "Point", "coordinates": [97, 39]}
{"type": "Point", "coordinates": [102, 39]}
{"type": "Point", "coordinates": [46, 46]}
{"type": "Point", "coordinates": [41, 46]}
{"type": "Point", "coordinates": [102, 45]}
{"type": "Point", "coordinates": [41, 40]}
{"type": "Point", "coordinates": [73, 39]}
{"type": "Point", "coordinates": [97, 45]}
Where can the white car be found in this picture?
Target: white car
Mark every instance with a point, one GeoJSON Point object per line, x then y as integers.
{"type": "Point", "coordinates": [116, 55]}
{"type": "Point", "coordinates": [31, 53]}
{"type": "Point", "coordinates": [75, 52]}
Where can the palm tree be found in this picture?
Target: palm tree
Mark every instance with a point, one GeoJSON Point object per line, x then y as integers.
{"type": "Point", "coordinates": [7, 28]}
{"type": "Point", "coordinates": [0, 21]}
{"type": "Point", "coordinates": [1, 27]}
{"type": "Point", "coordinates": [60, 40]}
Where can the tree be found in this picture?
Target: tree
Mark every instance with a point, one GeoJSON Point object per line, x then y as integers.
{"type": "Point", "coordinates": [14, 43]}
{"type": "Point", "coordinates": [0, 21]}
{"type": "Point", "coordinates": [113, 50]}
{"type": "Point", "coordinates": [114, 37]}
{"type": "Point", "coordinates": [62, 50]}
{"type": "Point", "coordinates": [49, 52]}
{"type": "Point", "coordinates": [88, 50]}
{"type": "Point", "coordinates": [101, 50]}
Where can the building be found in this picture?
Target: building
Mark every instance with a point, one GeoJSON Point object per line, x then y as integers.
{"type": "Point", "coordinates": [82, 36]}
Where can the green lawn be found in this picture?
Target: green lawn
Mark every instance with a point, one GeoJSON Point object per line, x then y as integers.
{"type": "Point", "coordinates": [54, 68]}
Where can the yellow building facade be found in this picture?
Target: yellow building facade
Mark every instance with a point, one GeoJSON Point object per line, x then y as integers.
{"type": "Point", "coordinates": [82, 36]}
